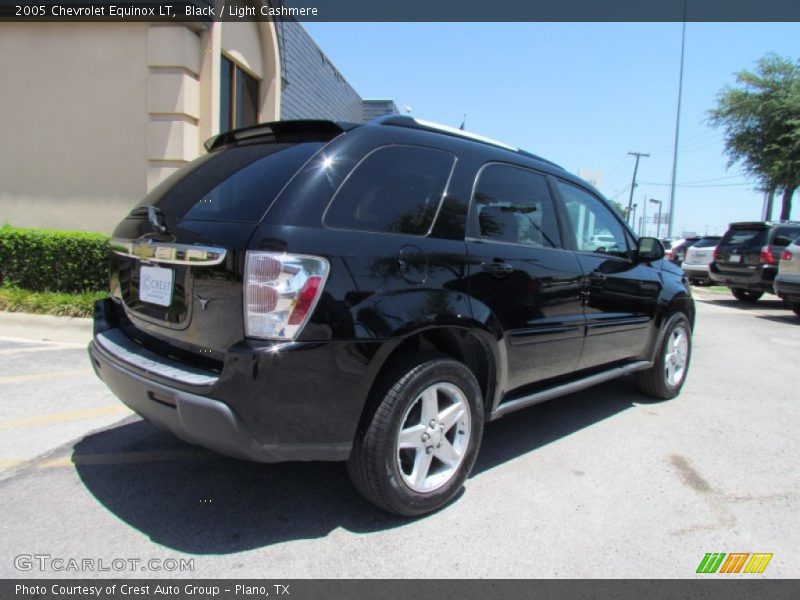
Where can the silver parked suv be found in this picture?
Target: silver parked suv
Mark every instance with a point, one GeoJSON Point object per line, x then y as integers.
{"type": "Point", "coordinates": [698, 257]}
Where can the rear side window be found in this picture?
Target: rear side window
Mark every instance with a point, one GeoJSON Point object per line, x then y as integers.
{"type": "Point", "coordinates": [395, 189]}
{"type": "Point", "coordinates": [707, 243]}
{"type": "Point", "coordinates": [750, 237]}
{"type": "Point", "coordinates": [514, 205]}
{"type": "Point", "coordinates": [235, 184]}
{"type": "Point", "coordinates": [785, 236]}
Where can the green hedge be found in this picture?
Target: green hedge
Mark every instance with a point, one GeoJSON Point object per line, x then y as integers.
{"type": "Point", "coordinates": [57, 261]}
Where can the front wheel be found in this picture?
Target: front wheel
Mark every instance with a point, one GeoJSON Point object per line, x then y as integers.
{"type": "Point", "coordinates": [746, 295]}
{"type": "Point", "coordinates": [666, 377]}
{"type": "Point", "coordinates": [419, 444]}
{"type": "Point", "coordinates": [795, 308]}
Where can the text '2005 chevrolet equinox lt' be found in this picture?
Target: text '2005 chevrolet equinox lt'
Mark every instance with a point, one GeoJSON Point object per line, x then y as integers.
{"type": "Point", "coordinates": [310, 290]}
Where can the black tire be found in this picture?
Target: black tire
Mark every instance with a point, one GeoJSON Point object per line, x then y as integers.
{"type": "Point", "coordinates": [746, 295]}
{"type": "Point", "coordinates": [374, 464]}
{"type": "Point", "coordinates": [654, 381]}
{"type": "Point", "coordinates": [795, 308]}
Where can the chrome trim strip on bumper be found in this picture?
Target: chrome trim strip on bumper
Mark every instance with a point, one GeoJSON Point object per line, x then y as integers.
{"type": "Point", "coordinates": [149, 250]}
{"type": "Point", "coordinates": [122, 347]}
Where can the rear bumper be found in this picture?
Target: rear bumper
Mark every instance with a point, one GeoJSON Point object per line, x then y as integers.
{"type": "Point", "coordinates": [695, 271]}
{"type": "Point", "coordinates": [789, 290]}
{"type": "Point", "coordinates": [760, 279]}
{"type": "Point", "coordinates": [198, 419]}
{"type": "Point", "coordinates": [269, 403]}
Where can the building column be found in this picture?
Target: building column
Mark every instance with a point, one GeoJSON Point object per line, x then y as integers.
{"type": "Point", "coordinates": [173, 132]}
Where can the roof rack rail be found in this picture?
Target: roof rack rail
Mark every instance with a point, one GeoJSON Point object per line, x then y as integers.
{"type": "Point", "coordinates": [414, 123]}
{"type": "Point", "coordinates": [308, 130]}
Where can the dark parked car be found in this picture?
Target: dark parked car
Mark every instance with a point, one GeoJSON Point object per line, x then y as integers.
{"type": "Point", "coordinates": [318, 291]}
{"type": "Point", "coordinates": [746, 258]}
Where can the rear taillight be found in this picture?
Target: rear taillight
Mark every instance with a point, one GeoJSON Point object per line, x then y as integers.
{"type": "Point", "coordinates": [766, 256]}
{"type": "Point", "coordinates": [715, 254]}
{"type": "Point", "coordinates": [280, 292]}
{"type": "Point", "coordinates": [786, 255]}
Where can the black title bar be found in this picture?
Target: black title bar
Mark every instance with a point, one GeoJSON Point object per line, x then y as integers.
{"type": "Point", "coordinates": [404, 10]}
{"type": "Point", "coordinates": [740, 588]}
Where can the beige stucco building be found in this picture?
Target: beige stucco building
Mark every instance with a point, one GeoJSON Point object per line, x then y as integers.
{"type": "Point", "coordinates": [96, 114]}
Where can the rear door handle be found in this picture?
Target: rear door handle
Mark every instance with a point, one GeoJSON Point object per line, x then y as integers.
{"type": "Point", "coordinates": [498, 268]}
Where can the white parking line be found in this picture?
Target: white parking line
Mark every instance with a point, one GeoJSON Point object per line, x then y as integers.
{"type": "Point", "coordinates": [12, 339]}
{"type": "Point", "coordinates": [47, 375]}
{"type": "Point", "coordinates": [7, 351]}
{"type": "Point", "coordinates": [89, 413]}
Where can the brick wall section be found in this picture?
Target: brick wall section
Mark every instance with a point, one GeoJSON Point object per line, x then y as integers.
{"type": "Point", "coordinates": [378, 108]}
{"type": "Point", "coordinates": [312, 86]}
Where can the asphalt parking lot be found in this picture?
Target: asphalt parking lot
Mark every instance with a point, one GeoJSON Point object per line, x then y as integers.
{"type": "Point", "coordinates": [602, 483]}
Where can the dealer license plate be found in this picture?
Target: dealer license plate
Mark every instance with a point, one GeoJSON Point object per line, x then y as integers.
{"type": "Point", "coordinates": [155, 285]}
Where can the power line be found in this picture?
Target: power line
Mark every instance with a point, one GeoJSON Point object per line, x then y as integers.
{"type": "Point", "coordinates": [701, 138]}
{"type": "Point", "coordinates": [691, 185]}
{"type": "Point", "coordinates": [712, 179]}
{"type": "Point", "coordinates": [619, 193]}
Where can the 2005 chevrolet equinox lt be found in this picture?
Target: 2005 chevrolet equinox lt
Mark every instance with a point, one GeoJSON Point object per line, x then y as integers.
{"type": "Point", "coordinates": [311, 290]}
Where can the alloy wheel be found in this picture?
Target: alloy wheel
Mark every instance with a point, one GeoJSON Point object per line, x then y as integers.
{"type": "Point", "coordinates": [433, 437]}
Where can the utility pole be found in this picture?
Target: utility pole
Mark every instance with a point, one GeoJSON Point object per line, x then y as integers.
{"type": "Point", "coordinates": [638, 155]}
{"type": "Point", "coordinates": [643, 228]}
{"type": "Point", "coordinates": [677, 129]}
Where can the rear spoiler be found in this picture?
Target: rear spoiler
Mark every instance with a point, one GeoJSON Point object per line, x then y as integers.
{"type": "Point", "coordinates": [277, 131]}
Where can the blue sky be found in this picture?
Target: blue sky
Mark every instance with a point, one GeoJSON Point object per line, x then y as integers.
{"type": "Point", "coordinates": [580, 94]}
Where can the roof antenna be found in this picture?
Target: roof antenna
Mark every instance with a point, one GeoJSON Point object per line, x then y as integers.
{"type": "Point", "coordinates": [463, 122]}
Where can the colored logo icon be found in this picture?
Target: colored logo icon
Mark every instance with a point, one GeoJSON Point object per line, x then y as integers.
{"type": "Point", "coordinates": [736, 562]}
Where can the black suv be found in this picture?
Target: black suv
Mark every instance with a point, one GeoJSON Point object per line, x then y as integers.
{"type": "Point", "coordinates": [746, 258]}
{"type": "Point", "coordinates": [311, 290]}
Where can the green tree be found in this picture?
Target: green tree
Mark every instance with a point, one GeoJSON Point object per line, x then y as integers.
{"type": "Point", "coordinates": [760, 116]}
{"type": "Point", "coordinates": [621, 210]}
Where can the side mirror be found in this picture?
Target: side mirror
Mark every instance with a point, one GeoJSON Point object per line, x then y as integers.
{"type": "Point", "coordinates": [649, 249]}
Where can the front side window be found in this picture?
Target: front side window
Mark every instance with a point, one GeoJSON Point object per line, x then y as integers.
{"type": "Point", "coordinates": [513, 205]}
{"type": "Point", "coordinates": [238, 97]}
{"type": "Point", "coordinates": [395, 189]}
{"type": "Point", "coordinates": [594, 225]}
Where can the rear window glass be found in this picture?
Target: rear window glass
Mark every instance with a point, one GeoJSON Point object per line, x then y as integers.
{"type": "Point", "coordinates": [395, 189]}
{"type": "Point", "coordinates": [744, 237]}
{"type": "Point", "coordinates": [785, 236]}
{"type": "Point", "coordinates": [235, 184]}
{"type": "Point", "coordinates": [706, 243]}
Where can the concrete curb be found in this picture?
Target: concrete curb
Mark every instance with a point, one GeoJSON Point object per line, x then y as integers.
{"type": "Point", "coordinates": [45, 327]}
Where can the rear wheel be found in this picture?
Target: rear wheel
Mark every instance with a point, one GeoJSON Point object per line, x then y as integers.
{"type": "Point", "coordinates": [746, 295]}
{"type": "Point", "coordinates": [795, 308]}
{"type": "Point", "coordinates": [420, 443]}
{"type": "Point", "coordinates": [666, 377]}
